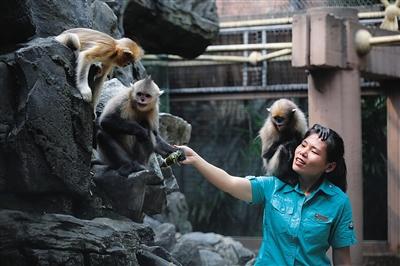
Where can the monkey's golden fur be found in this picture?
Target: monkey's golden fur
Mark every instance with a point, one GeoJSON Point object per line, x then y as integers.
{"type": "Point", "coordinates": [97, 47]}
{"type": "Point", "coordinates": [274, 138]}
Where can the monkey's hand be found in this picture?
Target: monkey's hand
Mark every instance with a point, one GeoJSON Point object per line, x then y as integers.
{"type": "Point", "coordinates": [271, 150]}
{"type": "Point", "coordinates": [286, 153]}
{"type": "Point", "coordinates": [323, 132]}
{"type": "Point", "coordinates": [86, 93]}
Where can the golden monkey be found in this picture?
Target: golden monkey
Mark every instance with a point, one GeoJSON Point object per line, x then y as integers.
{"type": "Point", "coordinates": [128, 128]}
{"type": "Point", "coordinates": [281, 133]}
{"type": "Point", "coordinates": [97, 47]}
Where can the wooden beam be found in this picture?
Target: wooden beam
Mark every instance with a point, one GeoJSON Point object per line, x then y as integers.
{"type": "Point", "coordinates": [382, 62]}
{"type": "Point", "coordinates": [236, 96]}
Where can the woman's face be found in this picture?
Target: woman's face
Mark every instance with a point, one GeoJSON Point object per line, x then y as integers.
{"type": "Point", "coordinates": [310, 158]}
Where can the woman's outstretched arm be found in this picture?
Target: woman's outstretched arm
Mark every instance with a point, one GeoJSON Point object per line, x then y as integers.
{"type": "Point", "coordinates": [238, 187]}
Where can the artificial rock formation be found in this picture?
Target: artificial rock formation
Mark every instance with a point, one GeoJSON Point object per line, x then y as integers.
{"type": "Point", "coordinates": [183, 28]}
{"type": "Point", "coordinates": [46, 133]}
{"type": "Point", "coordinates": [56, 208]}
{"type": "Point", "coordinates": [56, 239]}
{"type": "Point", "coordinates": [46, 148]}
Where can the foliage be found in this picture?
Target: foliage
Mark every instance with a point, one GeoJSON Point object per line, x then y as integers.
{"type": "Point", "coordinates": [374, 167]}
{"type": "Point", "coordinates": [212, 212]}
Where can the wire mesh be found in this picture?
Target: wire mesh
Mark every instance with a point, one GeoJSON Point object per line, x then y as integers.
{"type": "Point", "coordinates": [275, 74]}
{"type": "Point", "coordinates": [250, 9]}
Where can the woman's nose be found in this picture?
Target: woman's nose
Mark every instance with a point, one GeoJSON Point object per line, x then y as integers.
{"type": "Point", "coordinates": [303, 153]}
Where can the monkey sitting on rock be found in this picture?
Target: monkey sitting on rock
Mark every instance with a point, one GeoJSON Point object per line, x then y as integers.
{"type": "Point", "coordinates": [281, 133]}
{"type": "Point", "coordinates": [128, 129]}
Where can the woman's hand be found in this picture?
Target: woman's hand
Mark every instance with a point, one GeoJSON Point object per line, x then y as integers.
{"type": "Point", "coordinates": [191, 155]}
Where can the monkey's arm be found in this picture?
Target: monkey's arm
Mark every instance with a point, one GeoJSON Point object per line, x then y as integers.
{"type": "Point", "coordinates": [271, 150]}
{"type": "Point", "coordinates": [162, 147]}
{"type": "Point", "coordinates": [115, 124]}
{"type": "Point", "coordinates": [287, 150]}
{"type": "Point", "coordinates": [99, 81]}
{"type": "Point", "coordinates": [82, 74]}
{"type": "Point", "coordinates": [281, 163]}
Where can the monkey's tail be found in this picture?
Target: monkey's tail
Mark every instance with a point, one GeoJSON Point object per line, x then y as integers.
{"type": "Point", "coordinates": [69, 39]}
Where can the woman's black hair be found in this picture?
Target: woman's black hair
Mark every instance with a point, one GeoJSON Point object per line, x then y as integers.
{"type": "Point", "coordinates": [335, 153]}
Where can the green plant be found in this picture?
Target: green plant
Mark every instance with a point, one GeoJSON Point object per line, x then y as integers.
{"type": "Point", "coordinates": [374, 167]}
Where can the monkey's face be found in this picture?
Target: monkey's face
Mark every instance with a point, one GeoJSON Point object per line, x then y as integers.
{"type": "Point", "coordinates": [282, 112]}
{"type": "Point", "coordinates": [145, 95]}
{"type": "Point", "coordinates": [280, 122]}
{"type": "Point", "coordinates": [144, 101]}
{"type": "Point", "coordinates": [124, 59]}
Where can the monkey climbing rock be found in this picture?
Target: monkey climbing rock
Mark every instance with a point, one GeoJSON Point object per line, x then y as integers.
{"type": "Point", "coordinates": [94, 47]}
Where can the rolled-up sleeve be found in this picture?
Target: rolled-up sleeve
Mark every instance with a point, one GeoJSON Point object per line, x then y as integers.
{"type": "Point", "coordinates": [343, 234]}
{"type": "Point", "coordinates": [260, 187]}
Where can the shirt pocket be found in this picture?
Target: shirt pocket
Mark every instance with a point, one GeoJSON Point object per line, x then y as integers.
{"type": "Point", "coordinates": [280, 213]}
{"type": "Point", "coordinates": [317, 227]}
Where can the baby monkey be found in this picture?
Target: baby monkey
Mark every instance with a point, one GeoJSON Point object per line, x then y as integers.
{"type": "Point", "coordinates": [97, 47]}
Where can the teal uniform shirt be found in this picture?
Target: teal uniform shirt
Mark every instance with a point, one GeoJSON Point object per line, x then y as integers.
{"type": "Point", "coordinates": [299, 229]}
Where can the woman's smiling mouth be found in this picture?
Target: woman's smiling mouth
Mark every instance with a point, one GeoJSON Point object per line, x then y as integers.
{"type": "Point", "coordinates": [299, 161]}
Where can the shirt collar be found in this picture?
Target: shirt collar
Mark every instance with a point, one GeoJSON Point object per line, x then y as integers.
{"type": "Point", "coordinates": [284, 187]}
{"type": "Point", "coordinates": [326, 187]}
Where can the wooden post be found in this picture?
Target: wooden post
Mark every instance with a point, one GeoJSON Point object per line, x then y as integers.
{"type": "Point", "coordinates": [393, 164]}
{"type": "Point", "coordinates": [334, 91]}
{"type": "Point", "coordinates": [324, 43]}
{"type": "Point", "coordinates": [334, 101]}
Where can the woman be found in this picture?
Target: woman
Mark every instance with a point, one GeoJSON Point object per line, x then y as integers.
{"type": "Point", "coordinates": [301, 221]}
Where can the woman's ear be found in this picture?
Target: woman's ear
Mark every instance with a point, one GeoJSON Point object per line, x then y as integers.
{"type": "Point", "coordinates": [330, 167]}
